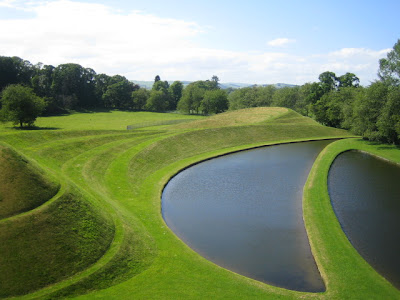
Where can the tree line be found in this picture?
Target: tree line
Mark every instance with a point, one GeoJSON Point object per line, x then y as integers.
{"type": "Point", "coordinates": [337, 101]}
{"type": "Point", "coordinates": [71, 86]}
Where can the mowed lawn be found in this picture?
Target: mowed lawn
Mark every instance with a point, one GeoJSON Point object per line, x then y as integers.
{"type": "Point", "coordinates": [109, 120]}
{"type": "Point", "coordinates": [111, 181]}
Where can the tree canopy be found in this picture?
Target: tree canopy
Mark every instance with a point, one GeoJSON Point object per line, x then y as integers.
{"type": "Point", "coordinates": [389, 67]}
{"type": "Point", "coordinates": [20, 105]}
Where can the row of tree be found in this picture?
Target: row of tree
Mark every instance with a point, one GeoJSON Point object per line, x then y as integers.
{"type": "Point", "coordinates": [67, 86]}
{"type": "Point", "coordinates": [339, 101]}
{"type": "Point", "coordinates": [71, 86]}
{"type": "Point", "coordinates": [299, 98]}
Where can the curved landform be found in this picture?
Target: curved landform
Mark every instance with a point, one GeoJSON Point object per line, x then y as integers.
{"type": "Point", "coordinates": [243, 211]}
{"type": "Point", "coordinates": [346, 273]}
{"type": "Point", "coordinates": [364, 192]}
{"type": "Point", "coordinates": [104, 225]}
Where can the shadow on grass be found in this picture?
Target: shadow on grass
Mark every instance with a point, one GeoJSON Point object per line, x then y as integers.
{"type": "Point", "coordinates": [388, 147]}
{"type": "Point", "coordinates": [35, 128]}
{"type": "Point", "coordinates": [92, 110]}
{"type": "Point", "coordinates": [383, 146]}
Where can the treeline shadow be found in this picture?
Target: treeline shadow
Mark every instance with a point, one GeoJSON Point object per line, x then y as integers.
{"type": "Point", "coordinates": [32, 128]}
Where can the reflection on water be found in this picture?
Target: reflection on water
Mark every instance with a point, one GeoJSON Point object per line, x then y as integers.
{"type": "Point", "coordinates": [365, 195]}
{"type": "Point", "coordinates": [243, 211]}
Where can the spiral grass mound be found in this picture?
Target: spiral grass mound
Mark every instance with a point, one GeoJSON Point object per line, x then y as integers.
{"type": "Point", "coordinates": [23, 185]}
{"type": "Point", "coordinates": [49, 232]}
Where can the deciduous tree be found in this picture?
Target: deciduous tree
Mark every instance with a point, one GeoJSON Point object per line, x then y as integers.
{"type": "Point", "coordinates": [175, 91]}
{"type": "Point", "coordinates": [214, 102]}
{"type": "Point", "coordinates": [20, 105]}
{"type": "Point", "coordinates": [389, 68]}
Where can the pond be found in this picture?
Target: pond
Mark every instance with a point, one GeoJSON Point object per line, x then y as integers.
{"type": "Point", "coordinates": [243, 211]}
{"type": "Point", "coordinates": [365, 195]}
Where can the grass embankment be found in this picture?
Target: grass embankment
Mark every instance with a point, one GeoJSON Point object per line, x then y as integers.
{"type": "Point", "coordinates": [123, 173]}
{"type": "Point", "coordinates": [346, 274]}
{"type": "Point", "coordinates": [249, 116]}
{"type": "Point", "coordinates": [23, 185]}
{"type": "Point", "coordinates": [54, 235]}
{"type": "Point", "coordinates": [78, 230]}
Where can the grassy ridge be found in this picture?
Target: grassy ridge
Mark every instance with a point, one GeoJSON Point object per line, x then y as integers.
{"type": "Point", "coordinates": [346, 274]}
{"type": "Point", "coordinates": [51, 243]}
{"type": "Point", "coordinates": [120, 175]}
{"type": "Point", "coordinates": [23, 185]}
{"type": "Point", "coordinates": [237, 118]}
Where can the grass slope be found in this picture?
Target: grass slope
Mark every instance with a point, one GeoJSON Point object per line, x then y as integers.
{"type": "Point", "coordinates": [23, 185]}
{"type": "Point", "coordinates": [120, 174]}
{"type": "Point", "coordinates": [347, 275]}
{"type": "Point", "coordinates": [51, 243]}
{"type": "Point", "coordinates": [237, 118]}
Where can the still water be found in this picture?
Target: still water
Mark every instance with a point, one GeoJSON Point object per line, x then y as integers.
{"type": "Point", "coordinates": [243, 211]}
{"type": "Point", "coordinates": [365, 195]}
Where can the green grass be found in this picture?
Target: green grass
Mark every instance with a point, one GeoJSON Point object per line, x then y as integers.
{"type": "Point", "coordinates": [51, 243]}
{"type": "Point", "coordinates": [249, 116]}
{"type": "Point", "coordinates": [23, 185]}
{"type": "Point", "coordinates": [116, 177]}
{"type": "Point", "coordinates": [111, 120]}
{"type": "Point", "coordinates": [346, 274]}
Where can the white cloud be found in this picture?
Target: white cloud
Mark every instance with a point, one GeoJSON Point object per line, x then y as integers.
{"type": "Point", "coordinates": [279, 42]}
{"type": "Point", "coordinates": [139, 46]}
{"type": "Point", "coordinates": [7, 3]}
{"type": "Point", "coordinates": [346, 53]}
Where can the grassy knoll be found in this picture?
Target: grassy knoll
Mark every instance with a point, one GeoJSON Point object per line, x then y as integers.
{"type": "Point", "coordinates": [119, 176]}
{"type": "Point", "coordinates": [23, 185]}
{"type": "Point", "coordinates": [51, 243]}
{"type": "Point", "coordinates": [346, 274]}
{"type": "Point", "coordinates": [237, 118]}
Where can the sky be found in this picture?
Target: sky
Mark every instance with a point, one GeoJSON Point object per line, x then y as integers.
{"type": "Point", "coordinates": [252, 41]}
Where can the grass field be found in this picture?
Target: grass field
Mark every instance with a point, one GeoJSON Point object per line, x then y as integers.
{"type": "Point", "coordinates": [107, 203]}
{"type": "Point", "coordinates": [109, 120]}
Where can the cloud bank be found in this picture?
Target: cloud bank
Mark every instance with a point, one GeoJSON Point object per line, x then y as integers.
{"type": "Point", "coordinates": [140, 46]}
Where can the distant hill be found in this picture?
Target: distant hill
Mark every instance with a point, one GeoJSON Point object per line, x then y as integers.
{"type": "Point", "coordinates": [225, 85]}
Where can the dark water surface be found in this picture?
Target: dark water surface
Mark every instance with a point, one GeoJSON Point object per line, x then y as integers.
{"type": "Point", "coordinates": [365, 195]}
{"type": "Point", "coordinates": [243, 211]}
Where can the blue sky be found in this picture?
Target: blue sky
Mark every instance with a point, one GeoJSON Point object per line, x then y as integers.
{"type": "Point", "coordinates": [247, 41]}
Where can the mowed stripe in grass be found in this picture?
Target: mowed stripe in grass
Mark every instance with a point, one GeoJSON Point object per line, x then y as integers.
{"type": "Point", "coordinates": [50, 247]}
{"type": "Point", "coordinates": [110, 120]}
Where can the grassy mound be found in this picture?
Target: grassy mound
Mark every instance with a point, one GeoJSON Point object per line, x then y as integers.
{"type": "Point", "coordinates": [295, 118]}
{"type": "Point", "coordinates": [346, 274]}
{"type": "Point", "coordinates": [236, 118]}
{"type": "Point", "coordinates": [23, 185]}
{"type": "Point", "coordinates": [51, 243]}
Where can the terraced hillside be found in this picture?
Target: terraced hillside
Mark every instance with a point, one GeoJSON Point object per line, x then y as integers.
{"type": "Point", "coordinates": [98, 232]}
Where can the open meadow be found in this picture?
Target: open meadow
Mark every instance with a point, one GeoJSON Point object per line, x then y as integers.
{"type": "Point", "coordinates": [88, 222]}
